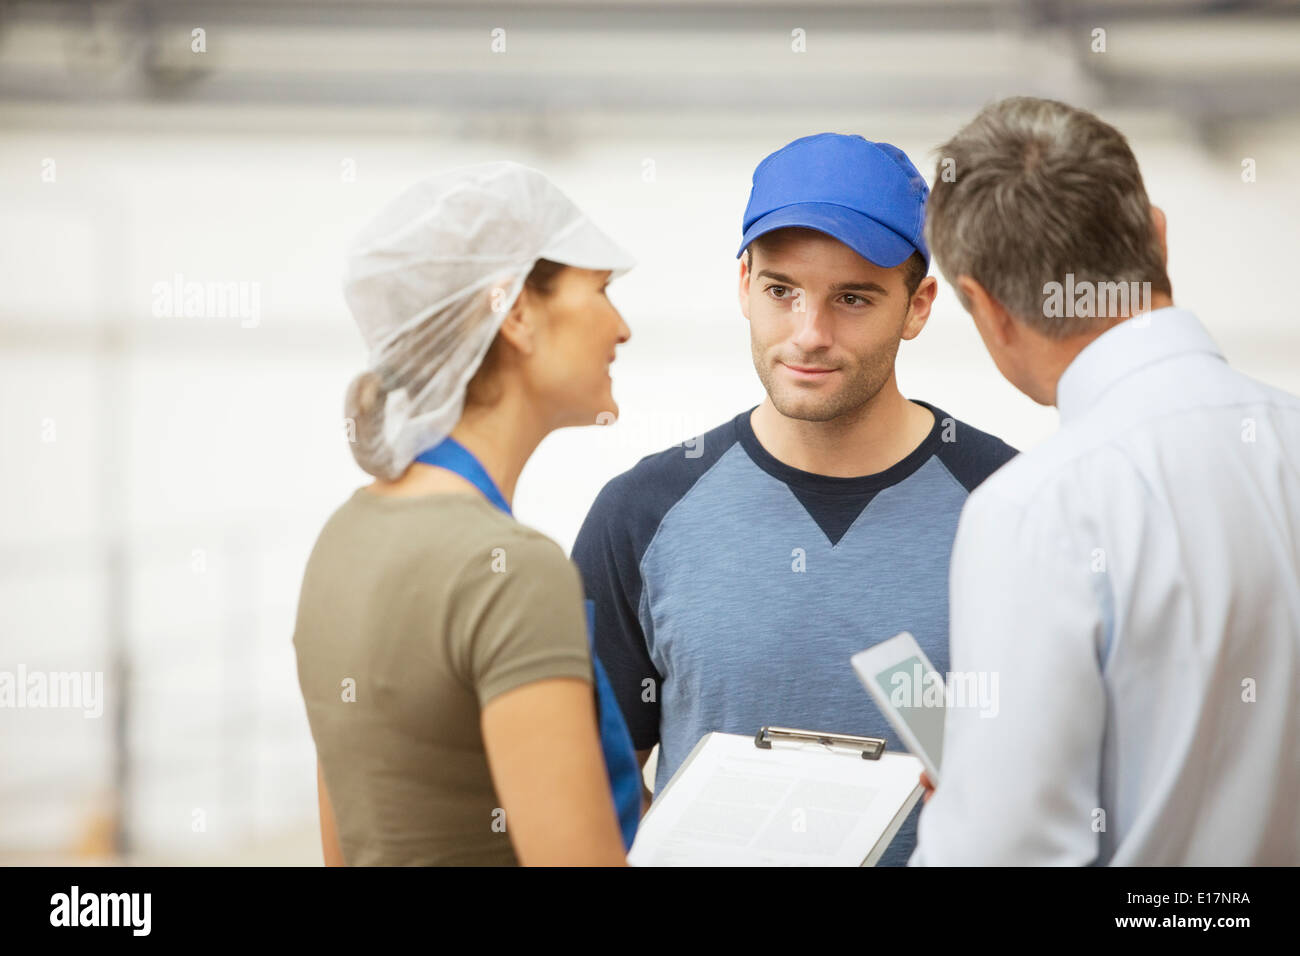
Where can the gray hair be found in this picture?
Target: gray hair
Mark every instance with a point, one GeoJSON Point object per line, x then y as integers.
{"type": "Point", "coordinates": [1033, 194]}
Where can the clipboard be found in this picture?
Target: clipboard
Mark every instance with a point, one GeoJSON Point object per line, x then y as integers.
{"type": "Point", "coordinates": [783, 797]}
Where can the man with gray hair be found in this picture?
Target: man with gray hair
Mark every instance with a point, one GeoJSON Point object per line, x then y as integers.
{"type": "Point", "coordinates": [1134, 581]}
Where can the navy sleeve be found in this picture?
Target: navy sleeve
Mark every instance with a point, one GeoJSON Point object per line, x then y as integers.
{"type": "Point", "coordinates": [607, 555]}
{"type": "Point", "coordinates": [619, 527]}
{"type": "Point", "coordinates": [968, 453]}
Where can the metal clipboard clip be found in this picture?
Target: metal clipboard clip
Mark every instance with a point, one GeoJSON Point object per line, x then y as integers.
{"type": "Point", "coordinates": [870, 747]}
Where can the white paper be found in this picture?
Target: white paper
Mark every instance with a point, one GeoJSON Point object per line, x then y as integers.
{"type": "Point", "coordinates": [794, 805]}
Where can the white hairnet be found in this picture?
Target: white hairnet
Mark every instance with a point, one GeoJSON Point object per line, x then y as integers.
{"type": "Point", "coordinates": [429, 282]}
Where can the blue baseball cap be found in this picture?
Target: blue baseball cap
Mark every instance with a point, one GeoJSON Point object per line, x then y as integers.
{"type": "Point", "coordinates": [867, 195]}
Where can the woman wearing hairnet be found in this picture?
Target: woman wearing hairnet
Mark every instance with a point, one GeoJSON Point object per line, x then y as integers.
{"type": "Point", "coordinates": [443, 648]}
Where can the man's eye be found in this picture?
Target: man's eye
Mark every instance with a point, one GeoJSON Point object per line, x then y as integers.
{"type": "Point", "coordinates": [773, 289]}
{"type": "Point", "coordinates": [857, 300]}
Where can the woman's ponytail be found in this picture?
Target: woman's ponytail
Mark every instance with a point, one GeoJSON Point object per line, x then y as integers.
{"type": "Point", "coordinates": [363, 411]}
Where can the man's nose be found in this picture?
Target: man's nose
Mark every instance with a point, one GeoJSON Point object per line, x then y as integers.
{"type": "Point", "coordinates": [812, 328]}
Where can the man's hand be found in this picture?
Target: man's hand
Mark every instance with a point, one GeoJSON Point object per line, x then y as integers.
{"type": "Point", "coordinates": [929, 787]}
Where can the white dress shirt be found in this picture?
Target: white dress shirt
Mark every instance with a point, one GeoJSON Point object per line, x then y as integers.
{"type": "Point", "coordinates": [1134, 585]}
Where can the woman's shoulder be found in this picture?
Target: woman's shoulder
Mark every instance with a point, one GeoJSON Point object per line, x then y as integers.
{"type": "Point", "coordinates": [446, 509]}
{"type": "Point", "coordinates": [508, 545]}
{"type": "Point", "coordinates": [453, 526]}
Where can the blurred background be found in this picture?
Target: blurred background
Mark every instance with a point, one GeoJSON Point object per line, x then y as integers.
{"type": "Point", "coordinates": [168, 461]}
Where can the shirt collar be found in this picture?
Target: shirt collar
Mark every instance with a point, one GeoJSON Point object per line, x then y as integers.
{"type": "Point", "coordinates": [1125, 348]}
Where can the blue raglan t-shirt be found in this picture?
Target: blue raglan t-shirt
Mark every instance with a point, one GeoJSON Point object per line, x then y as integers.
{"type": "Point", "coordinates": [730, 590]}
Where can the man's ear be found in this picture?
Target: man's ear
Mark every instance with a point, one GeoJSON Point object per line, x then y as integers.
{"type": "Point", "coordinates": [919, 307]}
{"type": "Point", "coordinates": [993, 321]}
{"type": "Point", "coordinates": [744, 288]}
{"type": "Point", "coordinates": [1158, 220]}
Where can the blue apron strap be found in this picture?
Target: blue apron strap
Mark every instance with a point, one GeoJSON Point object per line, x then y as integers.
{"type": "Point", "coordinates": [454, 456]}
{"type": "Point", "coordinates": [620, 755]}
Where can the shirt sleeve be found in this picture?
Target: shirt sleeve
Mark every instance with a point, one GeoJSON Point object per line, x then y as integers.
{"type": "Point", "coordinates": [608, 555]}
{"type": "Point", "coordinates": [519, 618]}
{"type": "Point", "coordinates": [1019, 773]}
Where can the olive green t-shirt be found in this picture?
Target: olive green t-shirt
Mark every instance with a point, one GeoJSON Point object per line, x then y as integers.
{"type": "Point", "coordinates": [414, 613]}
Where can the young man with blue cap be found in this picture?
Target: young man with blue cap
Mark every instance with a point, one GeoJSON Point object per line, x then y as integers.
{"type": "Point", "coordinates": [731, 584]}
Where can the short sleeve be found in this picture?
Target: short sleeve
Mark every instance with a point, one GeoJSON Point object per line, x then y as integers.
{"type": "Point", "coordinates": [518, 617]}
